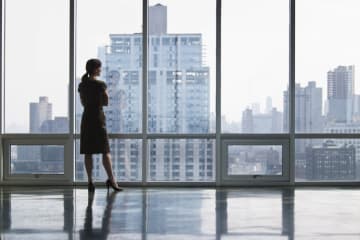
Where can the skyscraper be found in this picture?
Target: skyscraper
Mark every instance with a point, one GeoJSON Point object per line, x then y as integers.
{"type": "Point", "coordinates": [308, 108]}
{"type": "Point", "coordinates": [158, 17]}
{"type": "Point", "coordinates": [308, 119]}
{"type": "Point", "coordinates": [340, 83]}
{"type": "Point", "coordinates": [39, 113]}
{"type": "Point", "coordinates": [268, 105]}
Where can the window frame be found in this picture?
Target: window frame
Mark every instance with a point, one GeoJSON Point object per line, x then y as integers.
{"type": "Point", "coordinates": [46, 178]}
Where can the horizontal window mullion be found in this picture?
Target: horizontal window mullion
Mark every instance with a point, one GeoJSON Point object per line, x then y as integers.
{"type": "Point", "coordinates": [327, 135]}
{"type": "Point", "coordinates": [35, 136]}
{"type": "Point", "coordinates": [176, 135]}
{"type": "Point", "coordinates": [254, 136]}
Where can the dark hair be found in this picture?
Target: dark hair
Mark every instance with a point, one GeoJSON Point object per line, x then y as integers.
{"type": "Point", "coordinates": [91, 66]}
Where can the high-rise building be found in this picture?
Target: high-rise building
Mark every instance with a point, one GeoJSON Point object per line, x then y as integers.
{"type": "Point", "coordinates": [158, 18]}
{"type": "Point", "coordinates": [178, 82]}
{"type": "Point", "coordinates": [247, 122]}
{"type": "Point", "coordinates": [330, 162]}
{"type": "Point", "coordinates": [39, 113]}
{"type": "Point", "coordinates": [308, 119]}
{"type": "Point", "coordinates": [308, 108]}
{"type": "Point", "coordinates": [268, 105]}
{"type": "Point", "coordinates": [340, 94]}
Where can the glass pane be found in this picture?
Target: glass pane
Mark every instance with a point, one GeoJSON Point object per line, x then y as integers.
{"type": "Point", "coordinates": [254, 160]}
{"type": "Point", "coordinates": [327, 160]}
{"type": "Point", "coordinates": [255, 65]}
{"type": "Point", "coordinates": [181, 160]}
{"type": "Point", "coordinates": [36, 66]}
{"type": "Point", "coordinates": [126, 157]}
{"type": "Point", "coordinates": [37, 159]}
{"type": "Point", "coordinates": [181, 82]}
{"type": "Point", "coordinates": [327, 57]}
{"type": "Point", "coordinates": [114, 36]}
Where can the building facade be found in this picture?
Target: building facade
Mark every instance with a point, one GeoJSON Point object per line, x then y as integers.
{"type": "Point", "coordinates": [340, 94]}
{"type": "Point", "coordinates": [330, 161]}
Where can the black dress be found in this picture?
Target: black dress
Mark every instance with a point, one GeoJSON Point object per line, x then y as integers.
{"type": "Point", "coordinates": [93, 135]}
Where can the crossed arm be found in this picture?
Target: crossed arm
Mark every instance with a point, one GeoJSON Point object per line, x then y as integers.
{"type": "Point", "coordinates": [104, 99]}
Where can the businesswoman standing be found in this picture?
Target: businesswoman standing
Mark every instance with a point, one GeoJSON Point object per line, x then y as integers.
{"type": "Point", "coordinates": [93, 135]}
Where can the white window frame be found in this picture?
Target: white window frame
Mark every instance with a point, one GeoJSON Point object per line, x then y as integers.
{"type": "Point", "coordinates": [248, 179]}
{"type": "Point", "coordinates": [46, 178]}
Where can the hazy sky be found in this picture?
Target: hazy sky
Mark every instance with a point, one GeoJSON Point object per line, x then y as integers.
{"type": "Point", "coordinates": [254, 57]}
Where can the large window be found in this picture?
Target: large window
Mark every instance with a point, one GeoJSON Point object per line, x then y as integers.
{"type": "Point", "coordinates": [36, 68]}
{"type": "Point", "coordinates": [181, 82]}
{"type": "Point", "coordinates": [126, 159]}
{"type": "Point", "coordinates": [326, 94]}
{"type": "Point", "coordinates": [327, 160]}
{"type": "Point", "coordinates": [185, 160]}
{"type": "Point", "coordinates": [255, 63]}
{"type": "Point", "coordinates": [327, 61]}
{"type": "Point", "coordinates": [37, 159]}
{"type": "Point", "coordinates": [280, 76]}
{"type": "Point", "coordinates": [111, 31]}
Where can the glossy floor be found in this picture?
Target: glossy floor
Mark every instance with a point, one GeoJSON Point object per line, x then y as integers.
{"type": "Point", "coordinates": [177, 213]}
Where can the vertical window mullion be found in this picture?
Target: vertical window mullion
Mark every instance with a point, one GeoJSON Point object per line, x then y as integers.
{"type": "Point", "coordinates": [144, 89]}
{"type": "Point", "coordinates": [292, 91]}
{"type": "Point", "coordinates": [218, 94]}
{"type": "Point", "coordinates": [1, 89]}
{"type": "Point", "coordinates": [69, 167]}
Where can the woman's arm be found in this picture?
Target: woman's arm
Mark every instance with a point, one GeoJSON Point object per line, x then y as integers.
{"type": "Point", "coordinates": [82, 100]}
{"type": "Point", "coordinates": [105, 98]}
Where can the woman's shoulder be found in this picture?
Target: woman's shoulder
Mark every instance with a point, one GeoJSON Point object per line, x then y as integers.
{"type": "Point", "coordinates": [101, 84]}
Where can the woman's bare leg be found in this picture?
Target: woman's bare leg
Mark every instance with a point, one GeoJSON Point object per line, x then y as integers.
{"type": "Point", "coordinates": [106, 160]}
{"type": "Point", "coordinates": [89, 166]}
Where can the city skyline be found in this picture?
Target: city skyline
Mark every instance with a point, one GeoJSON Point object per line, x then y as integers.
{"type": "Point", "coordinates": [310, 33]}
{"type": "Point", "coordinates": [256, 107]}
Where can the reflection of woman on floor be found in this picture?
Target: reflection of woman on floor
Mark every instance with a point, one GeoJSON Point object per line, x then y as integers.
{"type": "Point", "coordinates": [102, 233]}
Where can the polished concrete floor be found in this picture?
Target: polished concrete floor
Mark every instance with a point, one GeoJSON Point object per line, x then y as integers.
{"type": "Point", "coordinates": [180, 213]}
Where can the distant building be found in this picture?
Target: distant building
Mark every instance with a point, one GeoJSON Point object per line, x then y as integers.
{"type": "Point", "coordinates": [308, 108]}
{"type": "Point", "coordinates": [346, 128]}
{"type": "Point", "coordinates": [273, 162]}
{"type": "Point", "coordinates": [39, 112]}
{"type": "Point", "coordinates": [308, 119]}
{"type": "Point", "coordinates": [247, 122]}
{"type": "Point", "coordinates": [58, 125]}
{"type": "Point", "coordinates": [330, 162]}
{"type": "Point", "coordinates": [268, 105]}
{"type": "Point", "coordinates": [262, 123]}
{"type": "Point", "coordinates": [41, 158]}
{"type": "Point", "coordinates": [340, 94]}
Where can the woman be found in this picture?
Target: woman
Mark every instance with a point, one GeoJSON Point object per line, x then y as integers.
{"type": "Point", "coordinates": [93, 135]}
